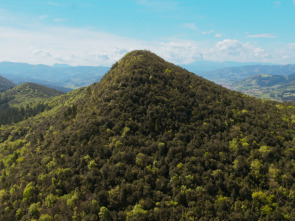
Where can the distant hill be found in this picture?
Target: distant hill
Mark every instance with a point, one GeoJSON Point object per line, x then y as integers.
{"type": "Point", "coordinates": [150, 141]}
{"type": "Point", "coordinates": [230, 75]}
{"type": "Point", "coordinates": [276, 87]}
{"type": "Point", "coordinates": [59, 76]}
{"type": "Point", "coordinates": [23, 101]}
{"type": "Point", "coordinates": [5, 84]}
{"type": "Point", "coordinates": [200, 67]}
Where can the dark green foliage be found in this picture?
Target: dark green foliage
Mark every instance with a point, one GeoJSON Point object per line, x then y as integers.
{"type": "Point", "coordinates": [151, 141]}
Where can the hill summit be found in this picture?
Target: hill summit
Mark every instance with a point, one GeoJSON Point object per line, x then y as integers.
{"type": "Point", "coordinates": [150, 141]}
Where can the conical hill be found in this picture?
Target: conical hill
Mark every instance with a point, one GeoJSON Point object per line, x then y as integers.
{"type": "Point", "coordinates": [151, 141]}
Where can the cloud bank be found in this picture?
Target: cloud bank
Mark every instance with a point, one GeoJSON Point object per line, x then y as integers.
{"type": "Point", "coordinates": [77, 46]}
{"type": "Point", "coordinates": [262, 36]}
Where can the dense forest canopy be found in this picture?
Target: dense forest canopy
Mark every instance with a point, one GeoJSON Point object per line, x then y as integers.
{"type": "Point", "coordinates": [150, 141]}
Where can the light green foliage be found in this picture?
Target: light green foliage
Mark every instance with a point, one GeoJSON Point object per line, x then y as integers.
{"type": "Point", "coordinates": [92, 165]}
{"type": "Point", "coordinates": [234, 145]}
{"type": "Point", "coordinates": [29, 191]}
{"type": "Point", "coordinates": [94, 203]}
{"type": "Point", "coordinates": [180, 165]}
{"type": "Point", "coordinates": [140, 159]}
{"type": "Point", "coordinates": [72, 199]}
{"type": "Point", "coordinates": [265, 150]}
{"type": "Point", "coordinates": [136, 214]}
{"type": "Point", "coordinates": [34, 210]}
{"type": "Point", "coordinates": [45, 217]}
{"type": "Point", "coordinates": [168, 71]}
{"type": "Point", "coordinates": [50, 200]}
{"type": "Point", "coordinates": [118, 144]}
{"type": "Point", "coordinates": [46, 160]}
{"type": "Point", "coordinates": [256, 166]}
{"type": "Point", "coordinates": [161, 145]}
{"type": "Point", "coordinates": [3, 195]}
{"type": "Point", "coordinates": [19, 214]}
{"type": "Point", "coordinates": [52, 164]}
{"type": "Point", "coordinates": [76, 216]}
{"type": "Point", "coordinates": [104, 213]}
{"type": "Point", "coordinates": [266, 210]}
{"type": "Point", "coordinates": [125, 131]}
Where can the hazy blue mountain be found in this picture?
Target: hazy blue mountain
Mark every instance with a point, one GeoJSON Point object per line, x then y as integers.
{"type": "Point", "coordinates": [206, 66]}
{"type": "Point", "coordinates": [5, 84]}
{"type": "Point", "coordinates": [59, 76]}
{"type": "Point", "coordinates": [230, 75]}
{"type": "Point", "coordinates": [61, 65]}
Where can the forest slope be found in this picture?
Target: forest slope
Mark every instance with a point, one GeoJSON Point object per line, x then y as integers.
{"type": "Point", "coordinates": [5, 84]}
{"type": "Point", "coordinates": [151, 141]}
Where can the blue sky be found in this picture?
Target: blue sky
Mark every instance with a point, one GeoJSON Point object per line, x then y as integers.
{"type": "Point", "coordinates": [99, 32]}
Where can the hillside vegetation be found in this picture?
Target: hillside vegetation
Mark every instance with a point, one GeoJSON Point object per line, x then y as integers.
{"type": "Point", "coordinates": [150, 141]}
{"type": "Point", "coordinates": [5, 84]}
{"type": "Point", "coordinates": [24, 101]}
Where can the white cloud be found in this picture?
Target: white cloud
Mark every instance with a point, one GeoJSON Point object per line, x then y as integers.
{"type": "Point", "coordinates": [277, 3]}
{"type": "Point", "coordinates": [72, 46]}
{"type": "Point", "coordinates": [180, 52]}
{"type": "Point", "coordinates": [54, 4]}
{"type": "Point", "coordinates": [234, 50]}
{"type": "Point", "coordinates": [42, 53]}
{"type": "Point", "coordinates": [293, 1]}
{"type": "Point", "coordinates": [77, 46]}
{"type": "Point", "coordinates": [42, 17]}
{"type": "Point", "coordinates": [60, 20]}
{"type": "Point", "coordinates": [286, 54]}
{"type": "Point", "coordinates": [159, 5]}
{"type": "Point", "coordinates": [207, 32]}
{"type": "Point", "coordinates": [191, 26]}
{"type": "Point", "coordinates": [291, 45]}
{"type": "Point", "coordinates": [218, 35]}
{"type": "Point", "coordinates": [262, 36]}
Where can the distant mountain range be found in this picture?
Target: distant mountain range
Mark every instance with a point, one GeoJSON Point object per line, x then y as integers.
{"type": "Point", "coordinates": [66, 78]}
{"type": "Point", "coordinates": [60, 76]}
{"type": "Point", "coordinates": [231, 75]}
{"type": "Point", "coordinates": [199, 67]}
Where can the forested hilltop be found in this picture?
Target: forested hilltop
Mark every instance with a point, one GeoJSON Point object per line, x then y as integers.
{"type": "Point", "coordinates": [150, 141]}
{"type": "Point", "coordinates": [24, 101]}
